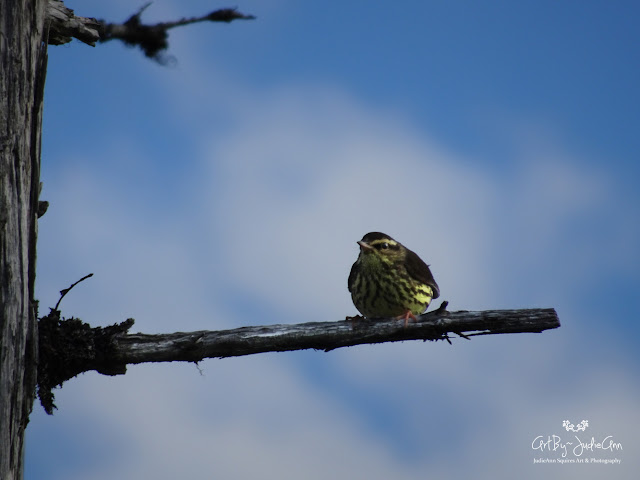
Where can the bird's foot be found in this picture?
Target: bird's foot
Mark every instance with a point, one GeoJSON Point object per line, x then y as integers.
{"type": "Point", "coordinates": [406, 316]}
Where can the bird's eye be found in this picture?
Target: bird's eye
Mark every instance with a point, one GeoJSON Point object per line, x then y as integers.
{"type": "Point", "coordinates": [384, 246]}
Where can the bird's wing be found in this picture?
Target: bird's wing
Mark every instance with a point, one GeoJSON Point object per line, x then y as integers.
{"type": "Point", "coordinates": [352, 275]}
{"type": "Point", "coordinates": [420, 271]}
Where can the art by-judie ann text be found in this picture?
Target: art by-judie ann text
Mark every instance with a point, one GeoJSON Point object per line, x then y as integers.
{"type": "Point", "coordinates": [554, 443]}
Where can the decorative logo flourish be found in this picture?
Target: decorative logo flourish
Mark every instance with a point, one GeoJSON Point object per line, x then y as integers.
{"type": "Point", "coordinates": [570, 427]}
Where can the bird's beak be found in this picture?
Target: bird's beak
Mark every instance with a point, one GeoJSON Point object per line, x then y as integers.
{"type": "Point", "coordinates": [364, 246]}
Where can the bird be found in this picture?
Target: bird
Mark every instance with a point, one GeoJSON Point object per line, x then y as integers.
{"type": "Point", "coordinates": [389, 280]}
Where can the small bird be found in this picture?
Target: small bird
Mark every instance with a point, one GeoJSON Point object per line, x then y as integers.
{"type": "Point", "coordinates": [389, 280]}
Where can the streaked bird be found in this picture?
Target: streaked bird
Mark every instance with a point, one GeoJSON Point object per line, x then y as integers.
{"type": "Point", "coordinates": [389, 280]}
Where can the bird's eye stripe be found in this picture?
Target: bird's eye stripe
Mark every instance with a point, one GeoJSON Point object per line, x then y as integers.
{"type": "Point", "coordinates": [380, 245]}
{"type": "Point", "coordinates": [384, 244]}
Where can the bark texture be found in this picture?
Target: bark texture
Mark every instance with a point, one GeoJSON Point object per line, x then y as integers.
{"type": "Point", "coordinates": [22, 73]}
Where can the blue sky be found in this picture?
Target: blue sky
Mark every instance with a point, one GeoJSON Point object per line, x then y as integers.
{"type": "Point", "coordinates": [496, 139]}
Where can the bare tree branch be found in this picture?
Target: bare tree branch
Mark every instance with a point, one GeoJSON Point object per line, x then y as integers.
{"type": "Point", "coordinates": [152, 39]}
{"type": "Point", "coordinates": [75, 347]}
{"type": "Point", "coordinates": [194, 346]}
{"type": "Point", "coordinates": [64, 291]}
{"type": "Point", "coordinates": [64, 25]}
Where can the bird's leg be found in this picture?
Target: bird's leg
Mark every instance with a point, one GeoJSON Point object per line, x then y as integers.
{"type": "Point", "coordinates": [406, 316]}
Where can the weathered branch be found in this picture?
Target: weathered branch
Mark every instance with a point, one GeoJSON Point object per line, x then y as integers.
{"type": "Point", "coordinates": [152, 39]}
{"type": "Point", "coordinates": [64, 25]}
{"type": "Point", "coordinates": [109, 350]}
{"type": "Point", "coordinates": [194, 346]}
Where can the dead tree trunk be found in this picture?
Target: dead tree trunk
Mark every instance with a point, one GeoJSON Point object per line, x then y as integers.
{"type": "Point", "coordinates": [23, 57]}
